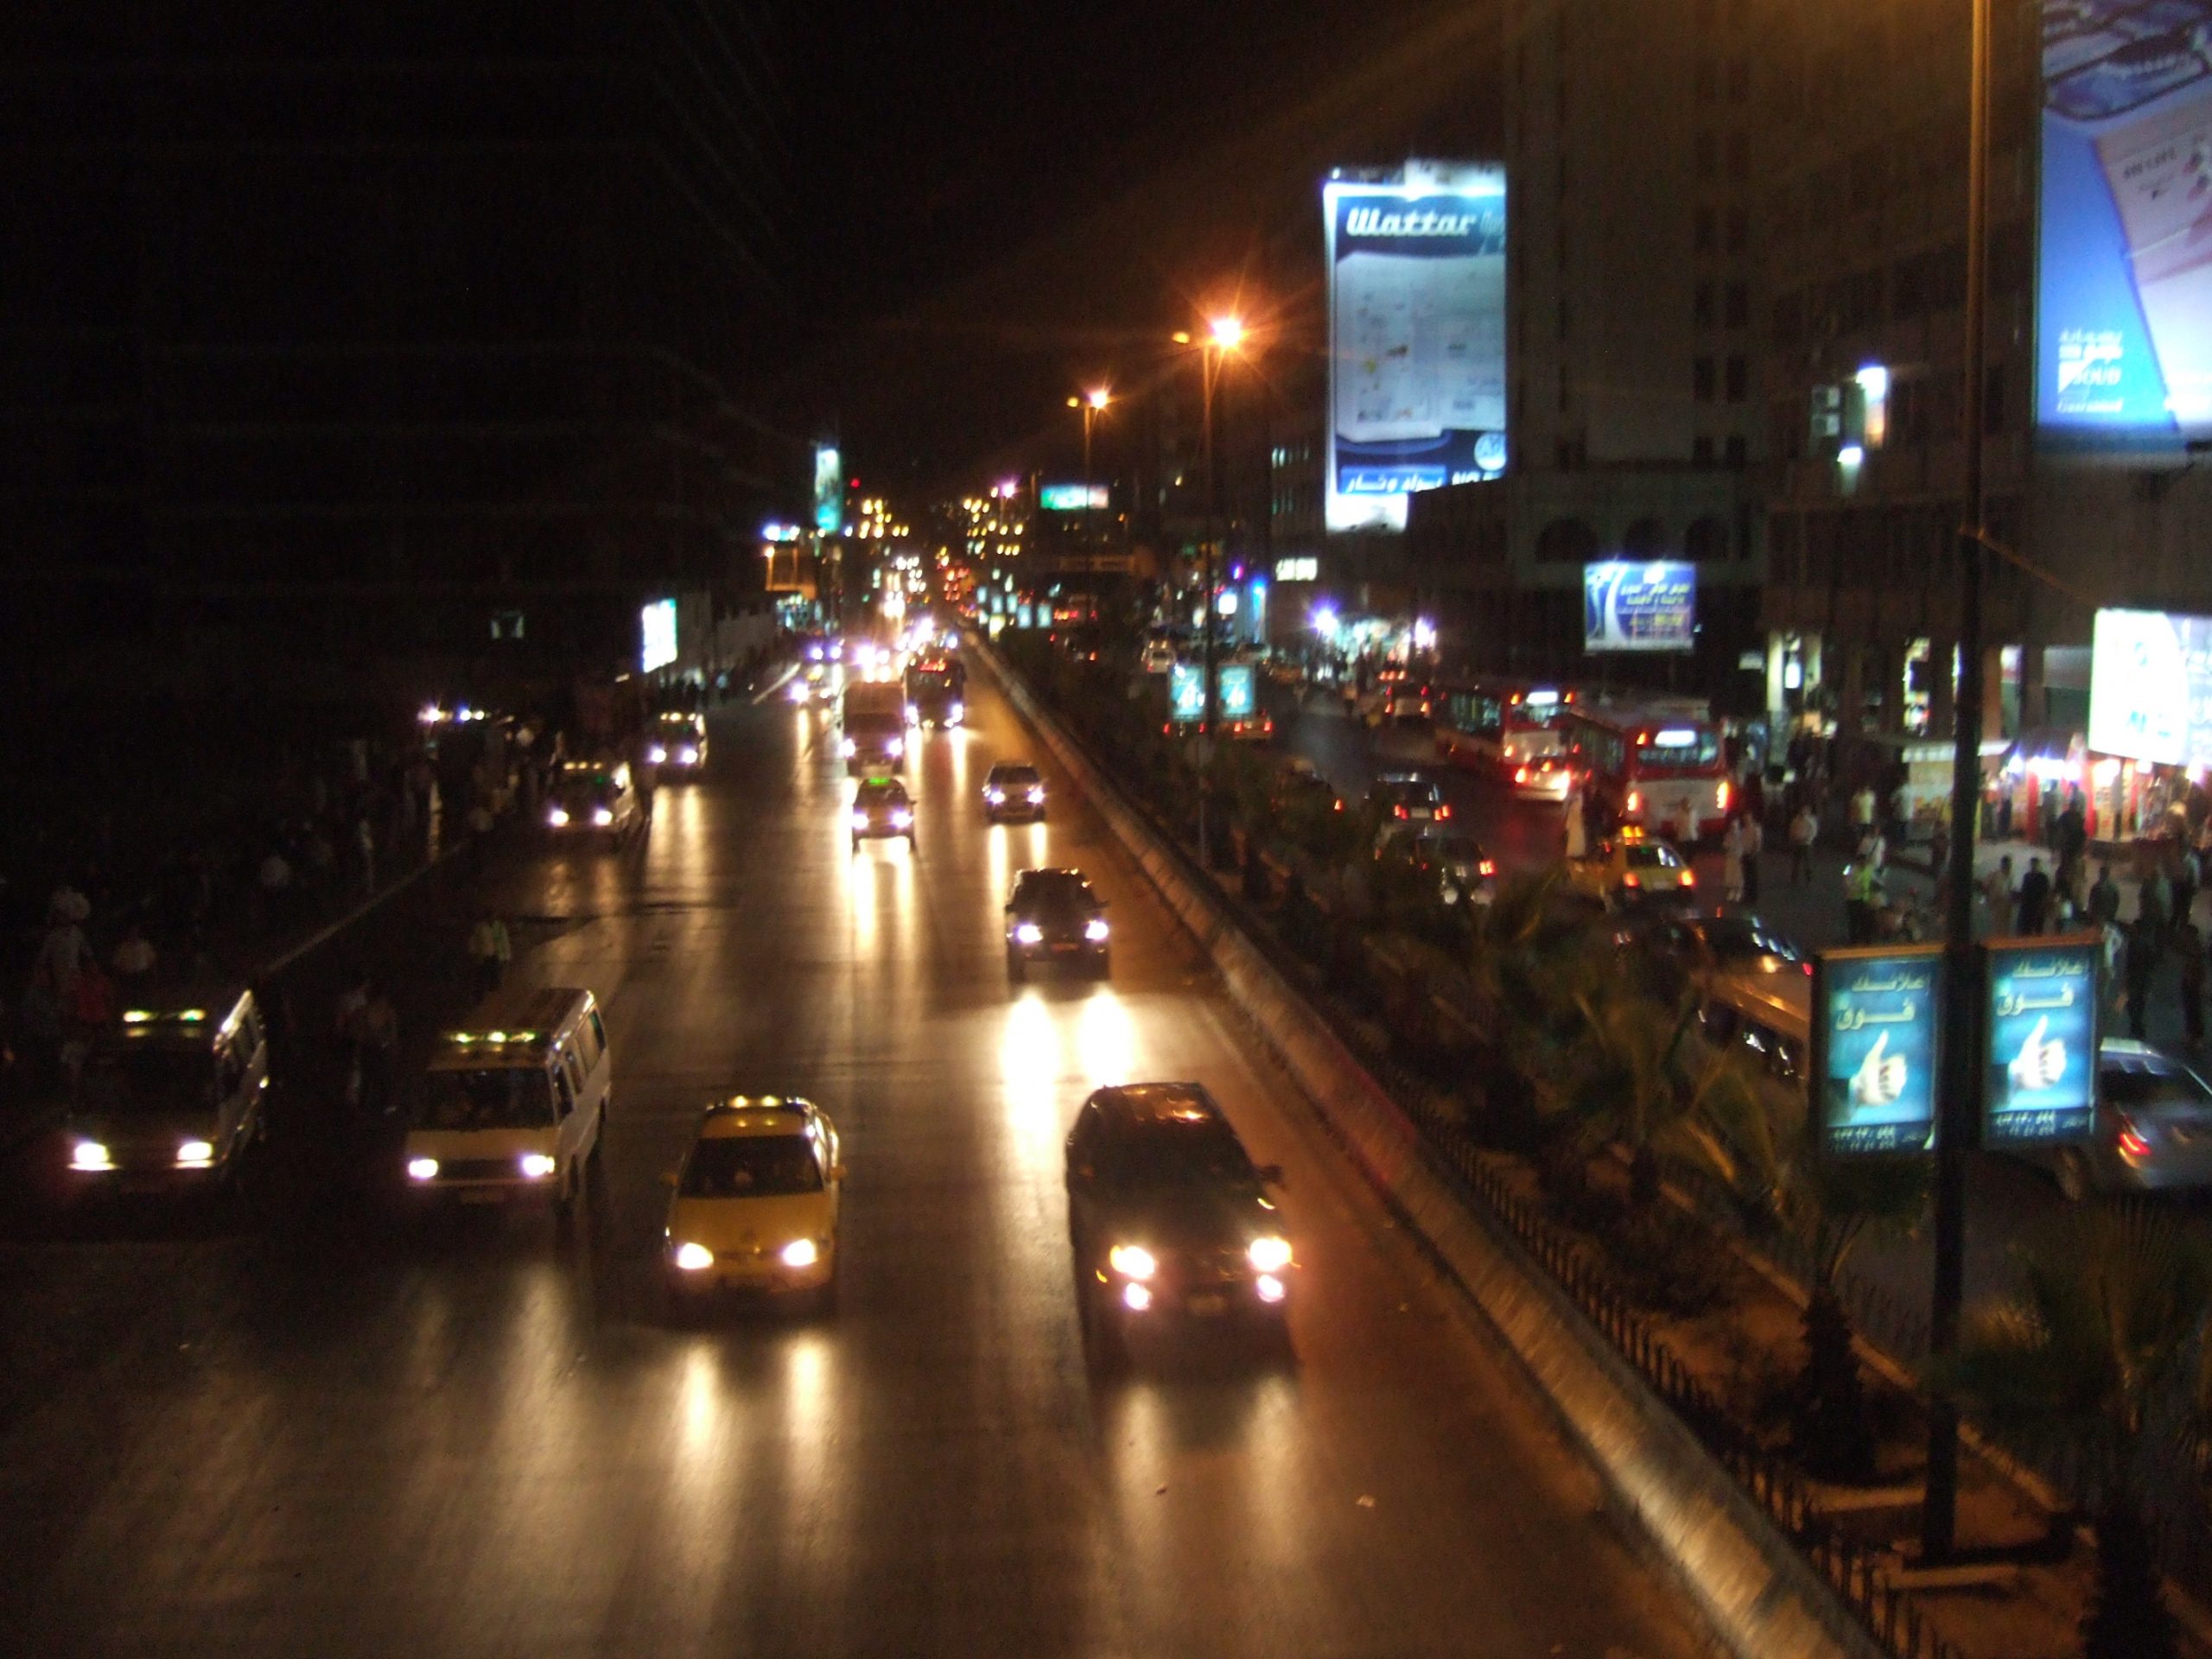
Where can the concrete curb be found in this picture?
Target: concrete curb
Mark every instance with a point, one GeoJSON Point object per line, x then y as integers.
{"type": "Point", "coordinates": [1759, 1595]}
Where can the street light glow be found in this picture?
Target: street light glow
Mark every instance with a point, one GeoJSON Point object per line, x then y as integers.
{"type": "Point", "coordinates": [1099, 398]}
{"type": "Point", "coordinates": [1229, 333]}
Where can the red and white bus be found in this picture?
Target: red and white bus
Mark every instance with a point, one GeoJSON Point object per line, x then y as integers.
{"type": "Point", "coordinates": [1508, 729]}
{"type": "Point", "coordinates": [1659, 763]}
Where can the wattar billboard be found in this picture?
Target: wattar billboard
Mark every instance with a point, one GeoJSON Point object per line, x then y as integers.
{"type": "Point", "coordinates": [1416, 261]}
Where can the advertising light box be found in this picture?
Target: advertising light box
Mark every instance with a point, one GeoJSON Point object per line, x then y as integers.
{"type": "Point", "coordinates": [2040, 1088]}
{"type": "Point", "coordinates": [2151, 686]}
{"type": "Point", "coordinates": [2124, 293]}
{"type": "Point", "coordinates": [1639, 606]}
{"type": "Point", "coordinates": [1233, 694]}
{"type": "Point", "coordinates": [1416, 264]}
{"type": "Point", "coordinates": [1072, 498]}
{"type": "Point", "coordinates": [1877, 1012]}
{"type": "Point", "coordinates": [1186, 693]}
{"type": "Point", "coordinates": [829, 490]}
{"type": "Point", "coordinates": [657, 635]}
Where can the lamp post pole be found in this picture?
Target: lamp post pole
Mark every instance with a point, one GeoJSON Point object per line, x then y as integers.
{"type": "Point", "coordinates": [1955, 1124]}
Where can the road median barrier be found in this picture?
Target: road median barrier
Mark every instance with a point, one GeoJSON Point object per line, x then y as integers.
{"type": "Point", "coordinates": [1716, 1525]}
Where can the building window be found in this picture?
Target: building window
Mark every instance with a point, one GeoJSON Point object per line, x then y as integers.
{"type": "Point", "coordinates": [1701, 450]}
{"type": "Point", "coordinates": [1738, 452]}
{"type": "Point", "coordinates": [1708, 81]}
{"type": "Point", "coordinates": [1704, 235]}
{"type": "Point", "coordinates": [1566, 541]}
{"type": "Point", "coordinates": [1701, 310]}
{"type": "Point", "coordinates": [1739, 80]}
{"type": "Point", "coordinates": [1739, 310]}
{"type": "Point", "coordinates": [1708, 155]}
{"type": "Point", "coordinates": [1738, 380]}
{"type": "Point", "coordinates": [1706, 542]}
{"type": "Point", "coordinates": [1739, 229]}
{"type": "Point", "coordinates": [1702, 379]}
{"type": "Point", "coordinates": [1739, 157]}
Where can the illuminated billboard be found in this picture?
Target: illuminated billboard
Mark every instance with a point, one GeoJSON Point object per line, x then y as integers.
{"type": "Point", "coordinates": [1639, 606]}
{"type": "Point", "coordinates": [1876, 1016]}
{"type": "Point", "coordinates": [2040, 1082]}
{"type": "Point", "coordinates": [1071, 498]}
{"type": "Point", "coordinates": [829, 490]}
{"type": "Point", "coordinates": [2151, 686]}
{"type": "Point", "coordinates": [2124, 292]}
{"type": "Point", "coordinates": [657, 635]}
{"type": "Point", "coordinates": [1416, 262]}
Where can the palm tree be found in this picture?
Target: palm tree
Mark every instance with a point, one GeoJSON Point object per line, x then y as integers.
{"type": "Point", "coordinates": [2101, 1353]}
{"type": "Point", "coordinates": [1829, 1205]}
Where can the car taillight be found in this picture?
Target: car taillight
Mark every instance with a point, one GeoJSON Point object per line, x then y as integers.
{"type": "Point", "coordinates": [1398, 812]}
{"type": "Point", "coordinates": [2133, 1142]}
{"type": "Point", "coordinates": [1720, 796]}
{"type": "Point", "coordinates": [1631, 880]}
{"type": "Point", "coordinates": [1486, 868]}
{"type": "Point", "coordinates": [1443, 810]}
{"type": "Point", "coordinates": [1635, 801]}
{"type": "Point", "coordinates": [1689, 878]}
{"type": "Point", "coordinates": [1520, 775]}
{"type": "Point", "coordinates": [1335, 806]}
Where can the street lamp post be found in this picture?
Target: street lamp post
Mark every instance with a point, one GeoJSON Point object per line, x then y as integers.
{"type": "Point", "coordinates": [1224, 334]}
{"type": "Point", "coordinates": [1093, 403]}
{"type": "Point", "coordinates": [1954, 1123]}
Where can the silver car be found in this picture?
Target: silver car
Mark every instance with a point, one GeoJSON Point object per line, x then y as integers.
{"type": "Point", "coordinates": [2154, 1128]}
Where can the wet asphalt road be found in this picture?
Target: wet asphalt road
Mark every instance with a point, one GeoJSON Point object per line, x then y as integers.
{"type": "Point", "coordinates": [335, 1430]}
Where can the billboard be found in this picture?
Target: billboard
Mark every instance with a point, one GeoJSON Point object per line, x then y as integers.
{"type": "Point", "coordinates": [1416, 261]}
{"type": "Point", "coordinates": [1876, 1013]}
{"type": "Point", "coordinates": [829, 490]}
{"type": "Point", "coordinates": [1186, 693]}
{"type": "Point", "coordinates": [2124, 294]}
{"type": "Point", "coordinates": [1072, 498]}
{"type": "Point", "coordinates": [2151, 686]}
{"type": "Point", "coordinates": [657, 635]}
{"type": "Point", "coordinates": [1233, 690]}
{"type": "Point", "coordinates": [2040, 1081]}
{"type": "Point", "coordinates": [1639, 606]}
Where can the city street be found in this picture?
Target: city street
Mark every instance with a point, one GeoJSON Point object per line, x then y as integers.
{"type": "Point", "coordinates": [361, 1433]}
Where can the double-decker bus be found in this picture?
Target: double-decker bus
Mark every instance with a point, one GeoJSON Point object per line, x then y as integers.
{"type": "Point", "coordinates": [1508, 729]}
{"type": "Point", "coordinates": [1659, 763]}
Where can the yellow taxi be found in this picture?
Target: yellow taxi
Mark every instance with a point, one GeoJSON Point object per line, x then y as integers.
{"type": "Point", "coordinates": [1630, 867]}
{"type": "Point", "coordinates": [755, 1202]}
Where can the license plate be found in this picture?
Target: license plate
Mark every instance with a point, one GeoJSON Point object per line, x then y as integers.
{"type": "Point", "coordinates": [1208, 1306]}
{"type": "Point", "coordinates": [1062, 949]}
{"type": "Point", "coordinates": [482, 1195]}
{"type": "Point", "coordinates": [142, 1183]}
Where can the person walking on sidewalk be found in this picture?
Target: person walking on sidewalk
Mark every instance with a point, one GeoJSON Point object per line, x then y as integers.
{"type": "Point", "coordinates": [1804, 830]}
{"type": "Point", "coordinates": [1731, 861]}
{"type": "Point", "coordinates": [2188, 873]}
{"type": "Point", "coordinates": [489, 952]}
{"type": "Point", "coordinates": [1754, 848]}
{"type": "Point", "coordinates": [2154, 901]}
{"type": "Point", "coordinates": [1862, 815]}
{"type": "Point", "coordinates": [2142, 961]}
{"type": "Point", "coordinates": [2188, 942]}
{"type": "Point", "coordinates": [2104, 898]}
{"type": "Point", "coordinates": [1862, 896]}
{"type": "Point", "coordinates": [2035, 899]}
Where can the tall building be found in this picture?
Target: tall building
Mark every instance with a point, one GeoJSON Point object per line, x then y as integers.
{"type": "Point", "coordinates": [379, 336]}
{"type": "Point", "coordinates": [1634, 415]}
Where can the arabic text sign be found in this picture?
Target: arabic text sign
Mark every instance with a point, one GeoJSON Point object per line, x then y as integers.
{"type": "Point", "coordinates": [1232, 690]}
{"type": "Point", "coordinates": [1631, 607]}
{"type": "Point", "coordinates": [2040, 1086]}
{"type": "Point", "coordinates": [1876, 1015]}
{"type": "Point", "coordinates": [1186, 693]}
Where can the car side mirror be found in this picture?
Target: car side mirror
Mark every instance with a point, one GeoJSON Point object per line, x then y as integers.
{"type": "Point", "coordinates": [1271, 1174]}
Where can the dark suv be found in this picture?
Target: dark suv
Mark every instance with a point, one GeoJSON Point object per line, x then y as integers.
{"type": "Point", "coordinates": [1169, 1220]}
{"type": "Point", "coordinates": [1053, 916]}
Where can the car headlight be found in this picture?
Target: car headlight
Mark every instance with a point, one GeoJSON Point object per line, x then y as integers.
{"type": "Point", "coordinates": [1132, 1262]}
{"type": "Point", "coordinates": [913, 714]}
{"type": "Point", "coordinates": [958, 712]}
{"type": "Point", "coordinates": [896, 746]}
{"type": "Point", "coordinates": [859, 820]}
{"type": "Point", "coordinates": [1095, 930]}
{"type": "Point", "coordinates": [901, 818]}
{"type": "Point", "coordinates": [90, 1155]}
{"type": "Point", "coordinates": [687, 757]}
{"type": "Point", "coordinates": [799, 1253]}
{"type": "Point", "coordinates": [556, 815]}
{"type": "Point", "coordinates": [657, 755]}
{"type": "Point", "coordinates": [995, 796]}
{"type": "Point", "coordinates": [1268, 1255]}
{"type": "Point", "coordinates": [691, 1258]}
{"type": "Point", "coordinates": [1029, 933]}
{"type": "Point", "coordinates": [1037, 796]}
{"type": "Point", "coordinates": [195, 1154]}
{"type": "Point", "coordinates": [602, 816]}
{"type": "Point", "coordinates": [848, 748]}
{"type": "Point", "coordinates": [535, 1166]}
{"type": "Point", "coordinates": [422, 1169]}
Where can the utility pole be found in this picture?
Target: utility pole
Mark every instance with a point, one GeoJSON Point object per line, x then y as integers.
{"type": "Point", "coordinates": [1954, 1117]}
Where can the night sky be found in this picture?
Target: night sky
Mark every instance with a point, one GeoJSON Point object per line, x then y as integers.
{"type": "Point", "coordinates": [996, 202]}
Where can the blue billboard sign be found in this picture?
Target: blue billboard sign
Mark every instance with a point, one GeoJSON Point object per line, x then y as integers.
{"type": "Point", "coordinates": [2124, 292]}
{"type": "Point", "coordinates": [1416, 262]}
{"type": "Point", "coordinates": [1876, 1014]}
{"type": "Point", "coordinates": [2040, 1087]}
{"type": "Point", "coordinates": [1186, 693]}
{"type": "Point", "coordinates": [1639, 606]}
{"type": "Point", "coordinates": [1233, 690]}
{"type": "Point", "coordinates": [829, 490]}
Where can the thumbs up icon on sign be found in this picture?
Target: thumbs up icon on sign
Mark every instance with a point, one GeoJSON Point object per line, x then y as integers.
{"type": "Point", "coordinates": [2041, 1061]}
{"type": "Point", "coordinates": [1880, 1077]}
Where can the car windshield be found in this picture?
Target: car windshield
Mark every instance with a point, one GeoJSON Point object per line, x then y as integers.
{"type": "Point", "coordinates": [1679, 750]}
{"type": "Point", "coordinates": [493, 1097]}
{"type": "Point", "coordinates": [1177, 1152]}
{"type": "Point", "coordinates": [881, 795]}
{"type": "Point", "coordinates": [1014, 777]}
{"type": "Point", "coordinates": [751, 1167]}
{"type": "Point", "coordinates": [1653, 855]}
{"type": "Point", "coordinates": [1054, 892]}
{"type": "Point", "coordinates": [2145, 1087]}
{"type": "Point", "coordinates": [143, 1077]}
